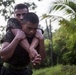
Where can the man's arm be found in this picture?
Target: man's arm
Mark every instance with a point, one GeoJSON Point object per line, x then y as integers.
{"type": "Point", "coordinates": [41, 49]}
{"type": "Point", "coordinates": [7, 49]}
{"type": "Point", "coordinates": [24, 43]}
{"type": "Point", "coordinates": [42, 54]}
{"type": "Point", "coordinates": [30, 48]}
{"type": "Point", "coordinates": [34, 43]}
{"type": "Point", "coordinates": [38, 39]}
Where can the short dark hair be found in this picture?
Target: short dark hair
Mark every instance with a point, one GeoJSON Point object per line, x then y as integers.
{"type": "Point", "coordinates": [20, 6]}
{"type": "Point", "coordinates": [31, 17]}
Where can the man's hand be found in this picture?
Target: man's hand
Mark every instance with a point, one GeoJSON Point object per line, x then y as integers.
{"type": "Point", "coordinates": [36, 60]}
{"type": "Point", "coordinates": [32, 53]}
{"type": "Point", "coordinates": [14, 31]}
{"type": "Point", "coordinates": [34, 56]}
{"type": "Point", "coordinates": [20, 34]}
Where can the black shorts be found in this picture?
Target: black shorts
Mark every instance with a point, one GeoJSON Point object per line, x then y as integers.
{"type": "Point", "coordinates": [7, 71]}
{"type": "Point", "coordinates": [13, 23]}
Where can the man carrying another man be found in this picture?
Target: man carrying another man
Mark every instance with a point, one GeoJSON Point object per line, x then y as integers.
{"type": "Point", "coordinates": [16, 51]}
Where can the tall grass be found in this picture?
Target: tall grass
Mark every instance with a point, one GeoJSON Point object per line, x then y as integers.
{"type": "Point", "coordinates": [56, 70]}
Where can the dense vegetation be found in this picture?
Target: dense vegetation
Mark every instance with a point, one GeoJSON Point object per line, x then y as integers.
{"type": "Point", "coordinates": [57, 70]}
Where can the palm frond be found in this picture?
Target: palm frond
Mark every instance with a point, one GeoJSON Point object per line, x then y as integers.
{"type": "Point", "coordinates": [61, 5]}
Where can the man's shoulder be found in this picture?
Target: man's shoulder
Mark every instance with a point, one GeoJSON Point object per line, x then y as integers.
{"type": "Point", "coordinates": [8, 37]}
{"type": "Point", "coordinates": [9, 34]}
{"type": "Point", "coordinates": [13, 23]}
{"type": "Point", "coordinates": [41, 30]}
{"type": "Point", "coordinates": [12, 19]}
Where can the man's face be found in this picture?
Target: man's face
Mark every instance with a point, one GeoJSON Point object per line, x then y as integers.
{"type": "Point", "coordinates": [19, 13]}
{"type": "Point", "coordinates": [29, 28]}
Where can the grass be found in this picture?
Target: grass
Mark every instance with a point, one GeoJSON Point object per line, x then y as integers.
{"type": "Point", "coordinates": [56, 70]}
